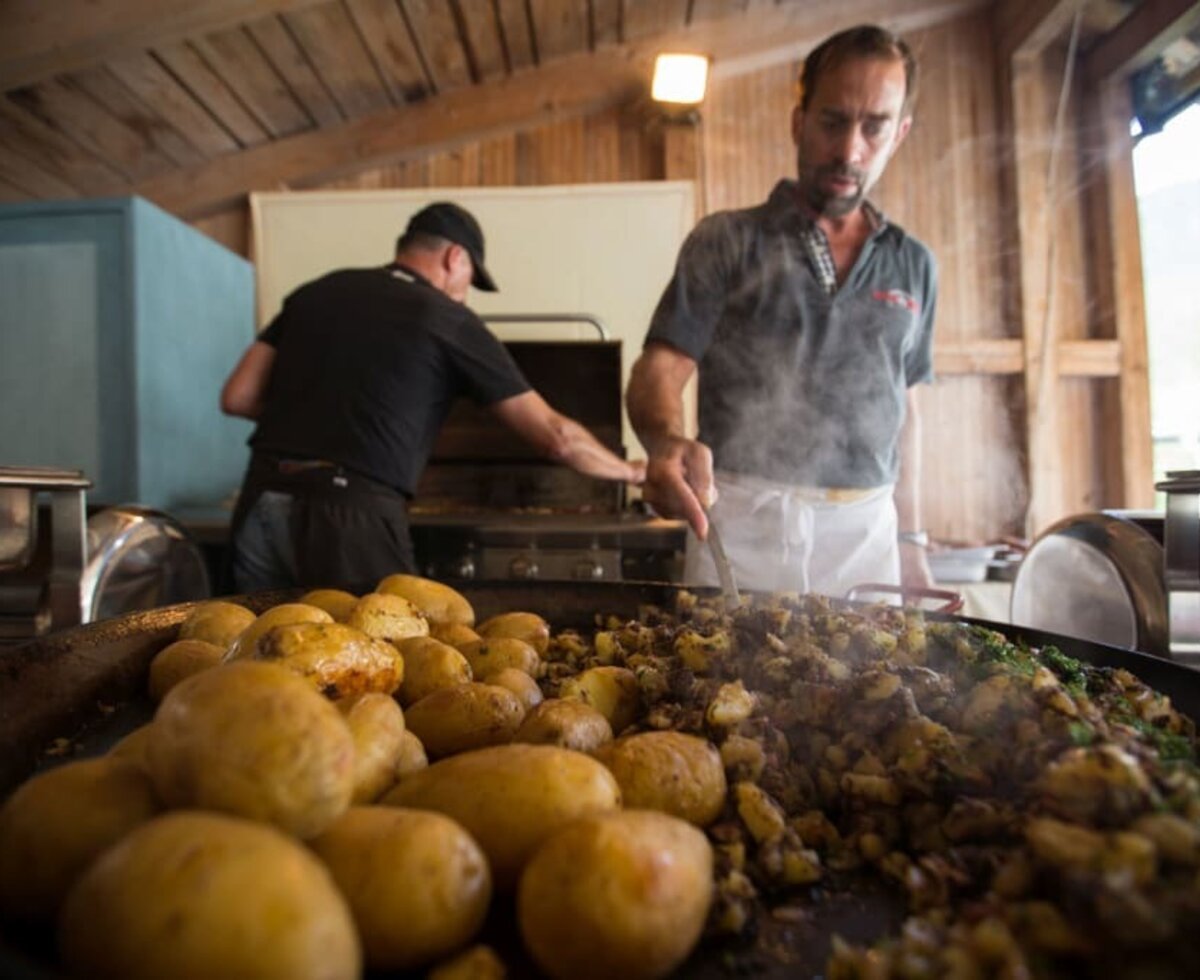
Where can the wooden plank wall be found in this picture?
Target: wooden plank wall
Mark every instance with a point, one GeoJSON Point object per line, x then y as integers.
{"type": "Point", "coordinates": [947, 186]}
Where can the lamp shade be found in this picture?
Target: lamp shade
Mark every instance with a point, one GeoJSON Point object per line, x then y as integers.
{"type": "Point", "coordinates": [680, 78]}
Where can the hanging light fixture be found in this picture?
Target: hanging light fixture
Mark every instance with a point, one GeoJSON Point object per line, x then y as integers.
{"type": "Point", "coordinates": [679, 79]}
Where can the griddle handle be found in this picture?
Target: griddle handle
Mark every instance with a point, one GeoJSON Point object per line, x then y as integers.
{"type": "Point", "coordinates": [953, 600]}
{"type": "Point", "coordinates": [591, 318]}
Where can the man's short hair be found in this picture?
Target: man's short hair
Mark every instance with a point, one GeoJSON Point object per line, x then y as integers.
{"type": "Point", "coordinates": [864, 41]}
{"type": "Point", "coordinates": [421, 241]}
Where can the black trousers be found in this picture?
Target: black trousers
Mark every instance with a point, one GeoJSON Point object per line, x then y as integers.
{"type": "Point", "coordinates": [316, 525]}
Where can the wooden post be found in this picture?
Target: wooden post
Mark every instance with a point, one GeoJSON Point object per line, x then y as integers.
{"type": "Point", "coordinates": [683, 153]}
{"type": "Point", "coordinates": [1120, 293]}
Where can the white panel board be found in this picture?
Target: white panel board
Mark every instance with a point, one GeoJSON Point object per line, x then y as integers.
{"type": "Point", "coordinates": [602, 249]}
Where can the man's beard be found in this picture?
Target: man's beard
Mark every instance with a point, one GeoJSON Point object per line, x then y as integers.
{"type": "Point", "coordinates": [824, 203]}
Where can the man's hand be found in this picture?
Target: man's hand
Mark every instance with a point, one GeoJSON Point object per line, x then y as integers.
{"type": "Point", "coordinates": [637, 472]}
{"type": "Point", "coordinates": [679, 481]}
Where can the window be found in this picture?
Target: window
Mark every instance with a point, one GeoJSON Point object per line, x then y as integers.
{"type": "Point", "coordinates": [1167, 177]}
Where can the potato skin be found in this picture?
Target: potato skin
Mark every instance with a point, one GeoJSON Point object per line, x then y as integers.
{"type": "Point", "coordinates": [567, 723]}
{"type": "Point", "coordinates": [521, 684]}
{"type": "Point", "coordinates": [617, 895]}
{"type": "Point", "coordinates": [180, 660]}
{"type": "Point", "coordinates": [466, 716]}
{"type": "Point", "coordinates": [56, 823]}
{"type": "Point", "coordinates": [134, 746]}
{"type": "Point", "coordinates": [417, 883]}
{"type": "Point", "coordinates": [430, 664]}
{"type": "Point", "coordinates": [377, 725]}
{"type": "Point", "coordinates": [255, 740]}
{"type": "Point", "coordinates": [216, 622]}
{"type": "Point", "coordinates": [336, 602]}
{"type": "Point", "coordinates": [412, 757]}
{"type": "Point", "coordinates": [387, 617]}
{"type": "Point", "coordinates": [194, 895]}
{"type": "Point", "coordinates": [337, 659]}
{"type": "Point", "coordinates": [613, 691]}
{"type": "Point", "coordinates": [437, 602]}
{"type": "Point", "coordinates": [246, 644]}
{"type": "Point", "coordinates": [511, 798]}
{"type": "Point", "coordinates": [500, 653]}
{"type": "Point", "coordinates": [668, 771]}
{"type": "Point", "coordinates": [459, 635]}
{"type": "Point", "coordinates": [529, 627]}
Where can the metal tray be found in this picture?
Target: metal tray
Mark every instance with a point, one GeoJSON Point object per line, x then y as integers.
{"type": "Point", "coordinates": [80, 690]}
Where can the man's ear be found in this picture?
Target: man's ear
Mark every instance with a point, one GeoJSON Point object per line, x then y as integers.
{"type": "Point", "coordinates": [797, 123]}
{"type": "Point", "coordinates": [901, 132]}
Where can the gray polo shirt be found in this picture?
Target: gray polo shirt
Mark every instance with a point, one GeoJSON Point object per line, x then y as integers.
{"type": "Point", "coordinates": [798, 385]}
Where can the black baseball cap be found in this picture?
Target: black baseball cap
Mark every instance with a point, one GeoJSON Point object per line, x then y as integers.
{"type": "Point", "coordinates": [458, 225]}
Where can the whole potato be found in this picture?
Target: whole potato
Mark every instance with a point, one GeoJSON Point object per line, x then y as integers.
{"type": "Point", "coordinates": [194, 896]}
{"type": "Point", "coordinates": [438, 603]}
{"type": "Point", "coordinates": [216, 622]}
{"type": "Point", "coordinates": [246, 643]}
{"type": "Point", "coordinates": [336, 602]}
{"type": "Point", "coordinates": [430, 664]}
{"type": "Point", "coordinates": [458, 635]}
{"type": "Point", "coordinates": [466, 716]}
{"type": "Point", "coordinates": [529, 627]}
{"type": "Point", "coordinates": [521, 684]}
{"type": "Point", "coordinates": [377, 724]}
{"type": "Point", "coordinates": [673, 772]}
{"type": "Point", "coordinates": [256, 740]}
{"type": "Point", "coordinates": [613, 691]}
{"type": "Point", "coordinates": [134, 745]}
{"type": "Point", "coordinates": [567, 723]}
{"type": "Point", "coordinates": [56, 823]}
{"type": "Point", "coordinates": [616, 895]}
{"type": "Point", "coordinates": [387, 617]}
{"type": "Point", "coordinates": [477, 963]}
{"type": "Point", "coordinates": [501, 653]}
{"type": "Point", "coordinates": [337, 659]}
{"type": "Point", "coordinates": [417, 883]}
{"type": "Point", "coordinates": [511, 798]}
{"type": "Point", "coordinates": [412, 757]}
{"type": "Point", "coordinates": [179, 660]}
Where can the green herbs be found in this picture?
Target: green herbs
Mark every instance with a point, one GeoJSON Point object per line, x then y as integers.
{"type": "Point", "coordinates": [1081, 733]}
{"type": "Point", "coordinates": [1070, 671]}
{"type": "Point", "coordinates": [991, 648]}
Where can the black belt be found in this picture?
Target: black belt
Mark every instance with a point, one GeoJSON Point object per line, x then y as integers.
{"type": "Point", "coordinates": [291, 474]}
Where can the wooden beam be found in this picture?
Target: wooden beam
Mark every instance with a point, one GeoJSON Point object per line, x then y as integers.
{"type": "Point", "coordinates": [1112, 105]}
{"type": "Point", "coordinates": [570, 87]}
{"type": "Point", "coordinates": [1005, 355]}
{"type": "Point", "coordinates": [1025, 28]}
{"type": "Point", "coordinates": [768, 37]}
{"type": "Point", "coordinates": [1089, 359]}
{"type": "Point", "coordinates": [1139, 38]}
{"type": "Point", "coordinates": [43, 38]}
{"type": "Point", "coordinates": [1031, 128]}
{"type": "Point", "coordinates": [1001, 355]}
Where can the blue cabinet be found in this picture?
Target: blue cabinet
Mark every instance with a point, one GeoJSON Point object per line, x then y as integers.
{"type": "Point", "coordinates": [118, 325]}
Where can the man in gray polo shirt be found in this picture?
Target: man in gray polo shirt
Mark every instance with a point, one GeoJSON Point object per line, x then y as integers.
{"type": "Point", "coordinates": [810, 319]}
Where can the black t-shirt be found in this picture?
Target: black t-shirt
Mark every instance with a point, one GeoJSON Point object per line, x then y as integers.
{"type": "Point", "coordinates": [367, 365]}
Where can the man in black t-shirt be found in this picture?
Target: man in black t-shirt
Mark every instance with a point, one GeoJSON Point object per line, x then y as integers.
{"type": "Point", "coordinates": [350, 384]}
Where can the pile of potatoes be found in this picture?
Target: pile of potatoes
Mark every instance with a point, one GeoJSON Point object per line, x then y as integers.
{"type": "Point", "coordinates": [346, 783]}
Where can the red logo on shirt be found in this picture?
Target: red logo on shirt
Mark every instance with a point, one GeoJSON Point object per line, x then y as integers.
{"type": "Point", "coordinates": [899, 298]}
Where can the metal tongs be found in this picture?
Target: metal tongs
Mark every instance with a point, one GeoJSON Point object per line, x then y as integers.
{"type": "Point", "coordinates": [721, 560]}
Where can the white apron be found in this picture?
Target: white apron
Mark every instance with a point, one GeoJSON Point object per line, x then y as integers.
{"type": "Point", "coordinates": [782, 538]}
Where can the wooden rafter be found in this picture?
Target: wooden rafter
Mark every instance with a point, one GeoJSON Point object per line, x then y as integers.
{"type": "Point", "coordinates": [41, 39]}
{"type": "Point", "coordinates": [1140, 38]}
{"type": "Point", "coordinates": [572, 86]}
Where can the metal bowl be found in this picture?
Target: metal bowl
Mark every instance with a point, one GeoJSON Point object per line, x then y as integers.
{"type": "Point", "coordinates": [1097, 577]}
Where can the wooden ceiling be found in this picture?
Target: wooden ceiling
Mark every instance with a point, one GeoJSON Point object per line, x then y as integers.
{"type": "Point", "coordinates": [192, 103]}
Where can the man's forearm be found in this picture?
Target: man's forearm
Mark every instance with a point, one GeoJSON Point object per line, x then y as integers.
{"type": "Point", "coordinates": [908, 483]}
{"type": "Point", "coordinates": [655, 406]}
{"type": "Point", "coordinates": [577, 448]}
